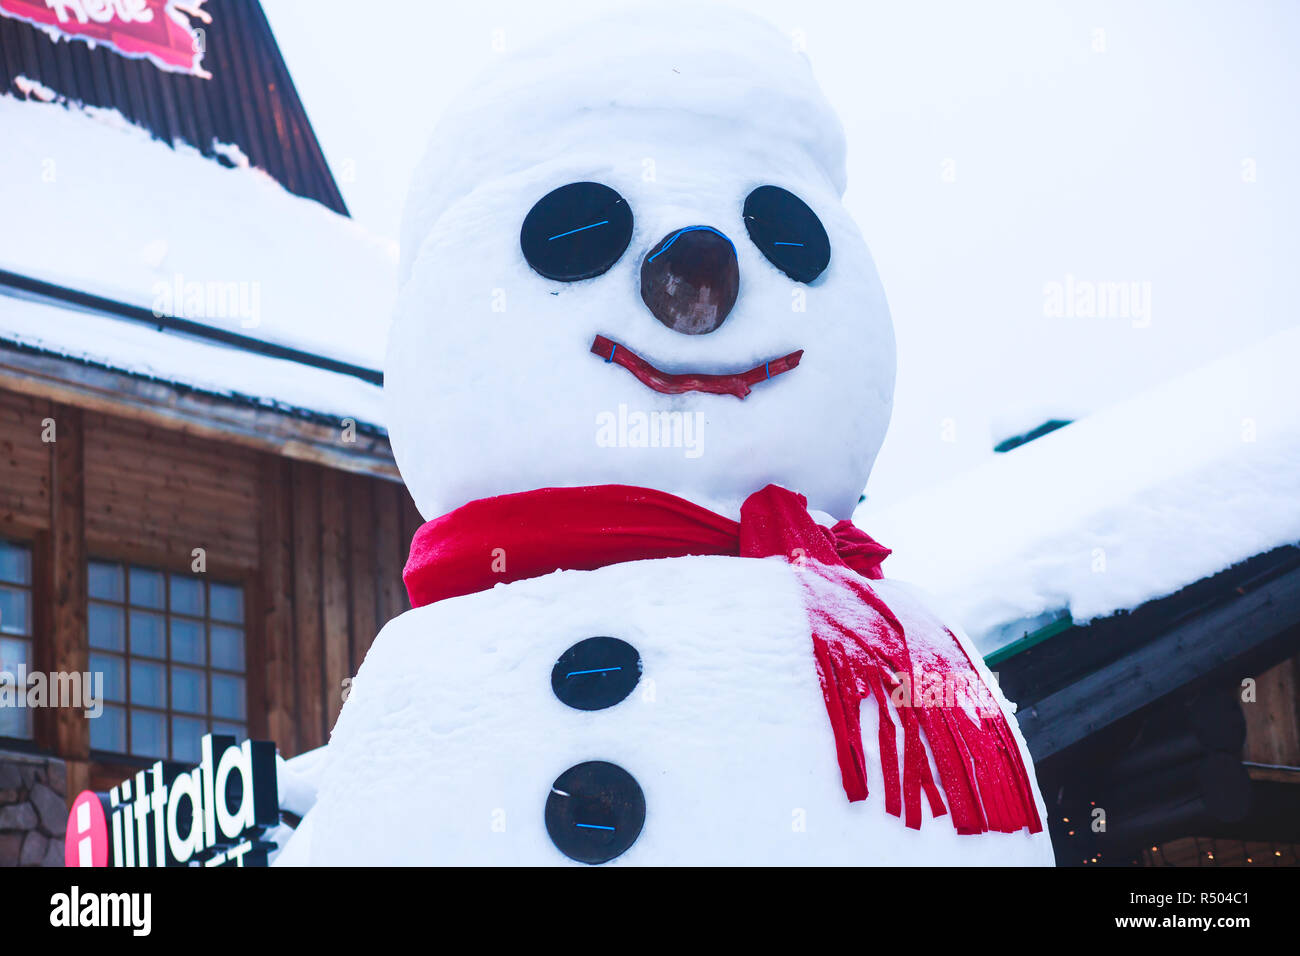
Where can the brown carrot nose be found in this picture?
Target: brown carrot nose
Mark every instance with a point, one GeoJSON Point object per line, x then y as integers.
{"type": "Point", "coordinates": [690, 279]}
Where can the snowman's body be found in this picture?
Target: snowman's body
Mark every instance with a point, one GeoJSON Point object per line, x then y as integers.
{"type": "Point", "coordinates": [452, 735]}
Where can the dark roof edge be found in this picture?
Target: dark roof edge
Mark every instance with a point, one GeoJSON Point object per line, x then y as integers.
{"type": "Point", "coordinates": [112, 308]}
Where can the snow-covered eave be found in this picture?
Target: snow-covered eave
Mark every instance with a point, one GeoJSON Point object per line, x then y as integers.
{"type": "Point", "coordinates": [1126, 506]}
{"type": "Point", "coordinates": [267, 425]}
{"type": "Point", "coordinates": [1236, 623]}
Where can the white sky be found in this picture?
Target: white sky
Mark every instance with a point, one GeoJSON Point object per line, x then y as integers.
{"type": "Point", "coordinates": [994, 147]}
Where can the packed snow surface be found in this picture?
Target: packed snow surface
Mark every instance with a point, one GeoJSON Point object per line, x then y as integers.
{"type": "Point", "coordinates": [451, 737]}
{"type": "Point", "coordinates": [209, 367]}
{"type": "Point", "coordinates": [1128, 504]}
{"type": "Point", "coordinates": [683, 124]}
{"type": "Point", "coordinates": [94, 204]}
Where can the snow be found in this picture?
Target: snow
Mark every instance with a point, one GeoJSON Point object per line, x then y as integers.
{"type": "Point", "coordinates": [206, 366]}
{"type": "Point", "coordinates": [94, 204]}
{"type": "Point", "coordinates": [34, 89]}
{"type": "Point", "coordinates": [451, 736]}
{"type": "Point", "coordinates": [1126, 505]}
{"type": "Point", "coordinates": [482, 344]}
{"type": "Point", "coordinates": [297, 780]}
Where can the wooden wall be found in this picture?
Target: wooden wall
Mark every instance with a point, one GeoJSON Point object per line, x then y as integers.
{"type": "Point", "coordinates": [24, 465]}
{"type": "Point", "coordinates": [152, 493]}
{"type": "Point", "coordinates": [319, 551]}
{"type": "Point", "coordinates": [1273, 718]}
{"type": "Point", "coordinates": [335, 546]}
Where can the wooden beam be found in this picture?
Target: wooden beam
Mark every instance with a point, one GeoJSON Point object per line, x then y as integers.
{"type": "Point", "coordinates": [363, 568]}
{"type": "Point", "coordinates": [276, 577]}
{"type": "Point", "coordinates": [1204, 645]}
{"type": "Point", "coordinates": [335, 617]}
{"type": "Point", "coordinates": [194, 412]}
{"type": "Point", "coordinates": [390, 549]}
{"type": "Point", "coordinates": [306, 604]}
{"type": "Point", "coordinates": [68, 650]}
{"type": "Point", "coordinates": [1273, 773]}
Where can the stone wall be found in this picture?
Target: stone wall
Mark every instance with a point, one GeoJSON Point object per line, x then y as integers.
{"type": "Point", "coordinates": [33, 809]}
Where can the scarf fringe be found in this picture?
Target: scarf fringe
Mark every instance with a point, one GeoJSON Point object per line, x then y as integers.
{"type": "Point", "coordinates": [977, 759]}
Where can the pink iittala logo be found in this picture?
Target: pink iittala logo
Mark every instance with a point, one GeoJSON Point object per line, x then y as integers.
{"type": "Point", "coordinates": [88, 832]}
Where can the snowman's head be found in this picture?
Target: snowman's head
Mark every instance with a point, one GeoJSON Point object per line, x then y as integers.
{"type": "Point", "coordinates": [625, 260]}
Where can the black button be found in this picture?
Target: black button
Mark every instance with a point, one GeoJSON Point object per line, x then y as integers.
{"type": "Point", "coordinates": [576, 232]}
{"type": "Point", "coordinates": [596, 673]}
{"type": "Point", "coordinates": [595, 811]}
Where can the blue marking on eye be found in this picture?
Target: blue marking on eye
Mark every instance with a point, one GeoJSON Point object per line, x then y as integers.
{"type": "Point", "coordinates": [767, 367]}
{"type": "Point", "coordinates": [787, 243]}
{"type": "Point", "coordinates": [612, 350]}
{"type": "Point", "coordinates": [598, 670]}
{"type": "Point", "coordinates": [592, 826]}
{"type": "Point", "coordinates": [603, 222]}
{"type": "Point", "coordinates": [668, 244]}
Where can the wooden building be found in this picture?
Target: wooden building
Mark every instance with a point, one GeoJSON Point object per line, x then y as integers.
{"type": "Point", "coordinates": [1169, 735]}
{"type": "Point", "coordinates": [222, 556]}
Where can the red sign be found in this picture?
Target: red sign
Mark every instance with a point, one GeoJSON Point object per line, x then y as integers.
{"type": "Point", "coordinates": [154, 30]}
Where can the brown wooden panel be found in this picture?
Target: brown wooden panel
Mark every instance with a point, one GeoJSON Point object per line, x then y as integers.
{"type": "Point", "coordinates": [1273, 718]}
{"type": "Point", "coordinates": [279, 697]}
{"type": "Point", "coordinates": [24, 464]}
{"type": "Point", "coordinates": [67, 649]}
{"type": "Point", "coordinates": [305, 486]}
{"type": "Point", "coordinates": [390, 550]}
{"type": "Point", "coordinates": [411, 520]}
{"type": "Point", "coordinates": [166, 493]}
{"type": "Point", "coordinates": [335, 616]}
{"type": "Point", "coordinates": [362, 567]}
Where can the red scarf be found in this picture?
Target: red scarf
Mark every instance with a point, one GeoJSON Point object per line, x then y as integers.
{"type": "Point", "coordinates": [858, 643]}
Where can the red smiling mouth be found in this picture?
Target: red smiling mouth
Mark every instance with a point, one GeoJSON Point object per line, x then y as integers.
{"type": "Point", "coordinates": [673, 383]}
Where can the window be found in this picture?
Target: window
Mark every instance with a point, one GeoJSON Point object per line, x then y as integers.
{"type": "Point", "coordinates": [15, 632]}
{"type": "Point", "coordinates": [171, 649]}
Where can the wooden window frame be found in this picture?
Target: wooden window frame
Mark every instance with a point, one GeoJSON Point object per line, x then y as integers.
{"type": "Point", "coordinates": [33, 589]}
{"type": "Point", "coordinates": [167, 711]}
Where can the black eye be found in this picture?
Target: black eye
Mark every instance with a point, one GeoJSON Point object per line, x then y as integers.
{"type": "Point", "coordinates": [576, 232]}
{"type": "Point", "coordinates": [787, 232]}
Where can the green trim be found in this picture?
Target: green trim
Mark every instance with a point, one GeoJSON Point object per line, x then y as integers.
{"type": "Point", "coordinates": [1063, 623]}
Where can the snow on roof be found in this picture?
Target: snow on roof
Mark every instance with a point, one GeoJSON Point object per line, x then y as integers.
{"type": "Point", "coordinates": [209, 367]}
{"type": "Point", "coordinates": [1129, 504]}
{"type": "Point", "coordinates": [94, 204]}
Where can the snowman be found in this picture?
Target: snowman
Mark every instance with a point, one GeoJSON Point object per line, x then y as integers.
{"type": "Point", "coordinates": [639, 369]}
